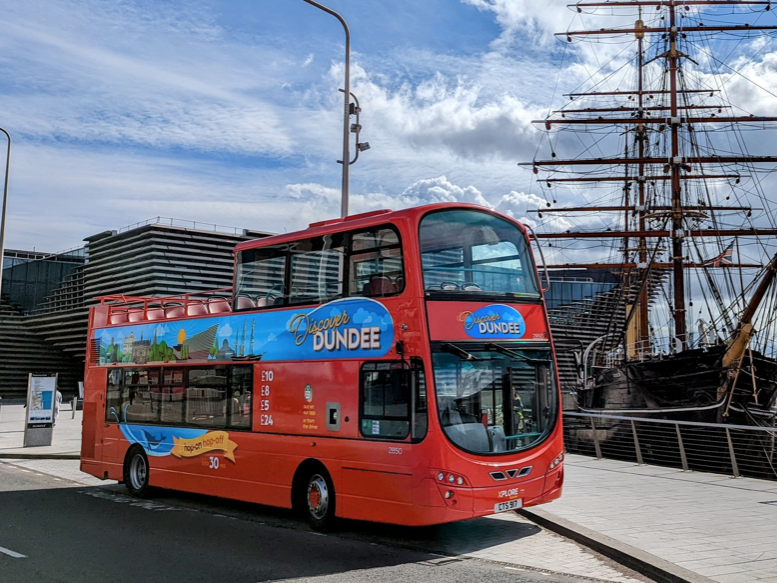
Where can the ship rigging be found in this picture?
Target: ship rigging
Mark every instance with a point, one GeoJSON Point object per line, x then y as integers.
{"type": "Point", "coordinates": [658, 144]}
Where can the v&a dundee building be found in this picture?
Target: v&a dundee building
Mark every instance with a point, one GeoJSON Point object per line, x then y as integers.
{"type": "Point", "coordinates": [46, 297]}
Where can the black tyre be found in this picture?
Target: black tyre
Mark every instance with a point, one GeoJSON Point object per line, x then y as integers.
{"type": "Point", "coordinates": [136, 472]}
{"type": "Point", "coordinates": [319, 500]}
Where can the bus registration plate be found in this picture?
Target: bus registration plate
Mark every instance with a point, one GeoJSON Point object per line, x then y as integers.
{"type": "Point", "coordinates": [509, 505]}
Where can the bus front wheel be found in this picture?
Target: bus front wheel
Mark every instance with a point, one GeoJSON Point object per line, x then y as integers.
{"type": "Point", "coordinates": [319, 500]}
{"type": "Point", "coordinates": [136, 472]}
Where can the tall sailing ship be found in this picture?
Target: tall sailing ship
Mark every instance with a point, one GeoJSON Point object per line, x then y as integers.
{"type": "Point", "coordinates": [677, 225]}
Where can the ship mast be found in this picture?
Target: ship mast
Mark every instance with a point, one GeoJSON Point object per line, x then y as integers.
{"type": "Point", "coordinates": [675, 169]}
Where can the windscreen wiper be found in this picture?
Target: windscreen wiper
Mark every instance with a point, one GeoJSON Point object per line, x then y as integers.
{"type": "Point", "coordinates": [460, 352]}
{"type": "Point", "coordinates": [514, 354]}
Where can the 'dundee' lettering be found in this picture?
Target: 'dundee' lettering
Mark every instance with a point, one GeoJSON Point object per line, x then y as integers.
{"type": "Point", "coordinates": [348, 339]}
{"type": "Point", "coordinates": [499, 328]}
{"type": "Point", "coordinates": [331, 335]}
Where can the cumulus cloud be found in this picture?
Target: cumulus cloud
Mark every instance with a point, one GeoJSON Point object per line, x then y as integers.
{"type": "Point", "coordinates": [440, 189]}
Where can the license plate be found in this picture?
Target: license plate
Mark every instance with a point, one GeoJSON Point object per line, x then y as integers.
{"type": "Point", "coordinates": [509, 505]}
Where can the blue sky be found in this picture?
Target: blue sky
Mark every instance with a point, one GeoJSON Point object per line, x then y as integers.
{"type": "Point", "coordinates": [228, 112]}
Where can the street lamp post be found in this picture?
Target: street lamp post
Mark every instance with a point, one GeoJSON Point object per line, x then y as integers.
{"type": "Point", "coordinates": [5, 205]}
{"type": "Point", "coordinates": [347, 105]}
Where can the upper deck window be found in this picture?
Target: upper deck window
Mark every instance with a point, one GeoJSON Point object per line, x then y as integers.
{"type": "Point", "coordinates": [317, 269]}
{"type": "Point", "coordinates": [469, 252]}
{"type": "Point", "coordinates": [321, 269]}
{"type": "Point", "coordinates": [376, 263]}
{"type": "Point", "coordinates": [261, 276]}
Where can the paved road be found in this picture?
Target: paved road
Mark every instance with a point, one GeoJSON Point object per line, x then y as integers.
{"type": "Point", "coordinates": [70, 532]}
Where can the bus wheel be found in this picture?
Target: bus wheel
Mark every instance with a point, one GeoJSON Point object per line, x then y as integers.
{"type": "Point", "coordinates": [136, 472]}
{"type": "Point", "coordinates": [320, 500]}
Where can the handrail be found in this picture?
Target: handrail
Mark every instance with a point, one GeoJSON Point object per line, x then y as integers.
{"type": "Point", "coordinates": [729, 449]}
{"type": "Point", "coordinates": [670, 421]}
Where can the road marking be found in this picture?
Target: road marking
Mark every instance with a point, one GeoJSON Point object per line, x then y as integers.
{"type": "Point", "coordinates": [11, 553]}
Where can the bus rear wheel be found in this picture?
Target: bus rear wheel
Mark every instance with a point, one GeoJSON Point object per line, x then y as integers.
{"type": "Point", "coordinates": [136, 472]}
{"type": "Point", "coordinates": [319, 500]}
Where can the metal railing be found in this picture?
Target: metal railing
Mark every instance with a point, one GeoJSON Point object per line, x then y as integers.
{"type": "Point", "coordinates": [184, 224]}
{"type": "Point", "coordinates": [734, 450]}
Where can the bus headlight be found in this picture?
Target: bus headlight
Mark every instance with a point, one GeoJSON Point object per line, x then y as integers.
{"type": "Point", "coordinates": [452, 478]}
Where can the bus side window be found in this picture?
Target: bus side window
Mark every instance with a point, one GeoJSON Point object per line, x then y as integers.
{"type": "Point", "coordinates": [385, 400]}
{"type": "Point", "coordinates": [114, 398]}
{"type": "Point", "coordinates": [139, 396]}
{"type": "Point", "coordinates": [240, 387]}
{"type": "Point", "coordinates": [206, 397]}
{"type": "Point", "coordinates": [419, 403]}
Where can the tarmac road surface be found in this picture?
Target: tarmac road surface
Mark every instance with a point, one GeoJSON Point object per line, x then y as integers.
{"type": "Point", "coordinates": [56, 530]}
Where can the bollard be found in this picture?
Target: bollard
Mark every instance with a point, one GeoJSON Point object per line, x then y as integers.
{"type": "Point", "coordinates": [73, 405]}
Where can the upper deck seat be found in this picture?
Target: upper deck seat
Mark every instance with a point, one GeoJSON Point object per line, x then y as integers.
{"type": "Point", "coordinates": [135, 315]}
{"type": "Point", "coordinates": [379, 285]}
{"type": "Point", "coordinates": [196, 309]}
{"type": "Point", "coordinates": [119, 317]}
{"type": "Point", "coordinates": [245, 303]}
{"type": "Point", "coordinates": [218, 306]}
{"type": "Point", "coordinates": [155, 314]}
{"type": "Point", "coordinates": [175, 311]}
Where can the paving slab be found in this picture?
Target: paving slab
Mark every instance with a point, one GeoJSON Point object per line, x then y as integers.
{"type": "Point", "coordinates": [711, 526]}
{"type": "Point", "coordinates": [66, 436]}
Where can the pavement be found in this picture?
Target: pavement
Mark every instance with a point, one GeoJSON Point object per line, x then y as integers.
{"type": "Point", "coordinates": [660, 523]}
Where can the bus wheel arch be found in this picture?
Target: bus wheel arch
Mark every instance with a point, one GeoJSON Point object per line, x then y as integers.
{"type": "Point", "coordinates": [136, 471]}
{"type": "Point", "coordinates": [313, 495]}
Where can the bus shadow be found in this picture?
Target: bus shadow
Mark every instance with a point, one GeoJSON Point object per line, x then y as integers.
{"type": "Point", "coordinates": [457, 538]}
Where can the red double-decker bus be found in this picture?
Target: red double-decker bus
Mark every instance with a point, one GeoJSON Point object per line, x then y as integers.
{"type": "Point", "coordinates": [391, 366]}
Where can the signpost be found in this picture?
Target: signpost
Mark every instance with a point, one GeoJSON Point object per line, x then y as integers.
{"type": "Point", "coordinates": [41, 402]}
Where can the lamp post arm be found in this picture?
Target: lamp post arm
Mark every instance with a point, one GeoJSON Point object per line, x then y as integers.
{"type": "Point", "coordinates": [5, 206]}
{"type": "Point", "coordinates": [346, 112]}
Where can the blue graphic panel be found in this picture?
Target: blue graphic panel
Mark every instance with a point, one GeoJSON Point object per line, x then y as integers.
{"type": "Point", "coordinates": [158, 441]}
{"type": "Point", "coordinates": [348, 328]}
{"type": "Point", "coordinates": [495, 322]}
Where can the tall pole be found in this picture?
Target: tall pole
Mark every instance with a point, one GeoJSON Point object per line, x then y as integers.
{"type": "Point", "coordinates": [347, 105]}
{"type": "Point", "coordinates": [677, 201]}
{"type": "Point", "coordinates": [5, 205]}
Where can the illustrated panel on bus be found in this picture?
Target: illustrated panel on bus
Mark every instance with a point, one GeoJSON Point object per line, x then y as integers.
{"type": "Point", "coordinates": [347, 328]}
{"type": "Point", "coordinates": [483, 321]}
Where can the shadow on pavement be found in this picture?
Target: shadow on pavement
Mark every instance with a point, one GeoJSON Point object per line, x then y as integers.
{"type": "Point", "coordinates": [91, 534]}
{"type": "Point", "coordinates": [450, 539]}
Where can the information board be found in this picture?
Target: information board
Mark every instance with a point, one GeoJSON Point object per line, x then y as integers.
{"type": "Point", "coordinates": [41, 399]}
